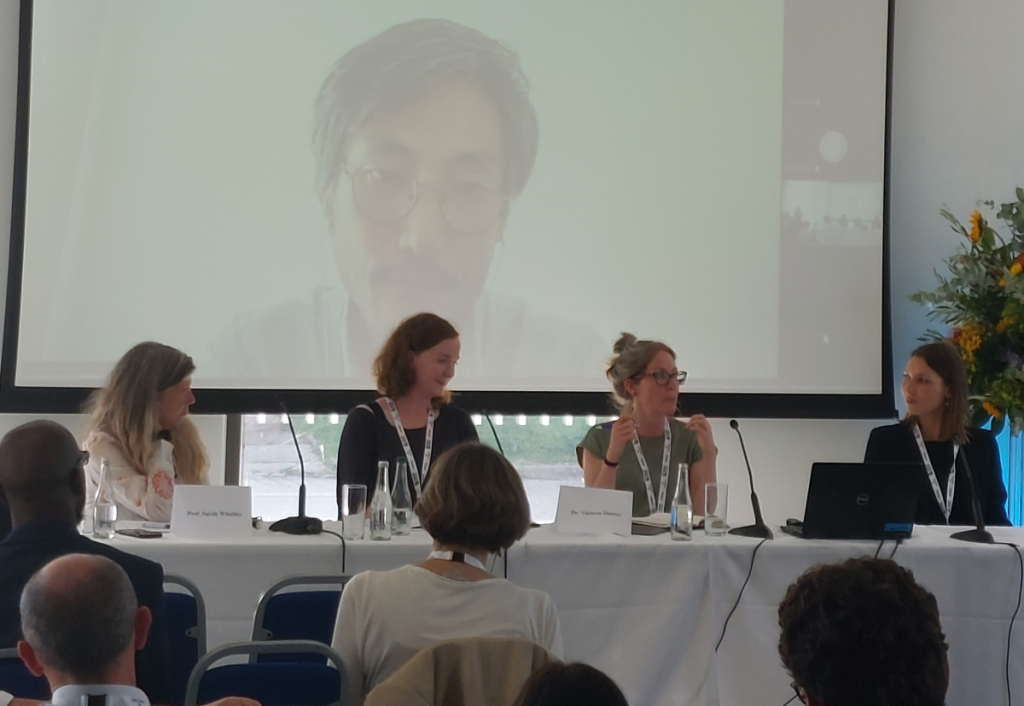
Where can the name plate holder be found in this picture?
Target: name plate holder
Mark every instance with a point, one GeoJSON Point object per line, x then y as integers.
{"type": "Point", "coordinates": [594, 511]}
{"type": "Point", "coordinates": [211, 512]}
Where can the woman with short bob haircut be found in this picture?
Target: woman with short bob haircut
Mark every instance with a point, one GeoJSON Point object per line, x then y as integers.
{"type": "Point", "coordinates": [139, 423]}
{"type": "Point", "coordinates": [935, 434]}
{"type": "Point", "coordinates": [474, 506]}
{"type": "Point", "coordinates": [412, 420]}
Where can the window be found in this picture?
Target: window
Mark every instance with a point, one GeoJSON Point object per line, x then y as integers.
{"type": "Point", "coordinates": [542, 448]}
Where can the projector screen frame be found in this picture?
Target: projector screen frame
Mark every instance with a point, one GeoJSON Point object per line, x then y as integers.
{"type": "Point", "coordinates": [64, 400]}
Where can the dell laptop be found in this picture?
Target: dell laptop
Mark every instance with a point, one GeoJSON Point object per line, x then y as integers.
{"type": "Point", "coordinates": [860, 501]}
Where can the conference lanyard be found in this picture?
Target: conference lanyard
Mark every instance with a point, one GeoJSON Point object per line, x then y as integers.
{"type": "Point", "coordinates": [459, 558]}
{"type": "Point", "coordinates": [947, 504]}
{"type": "Point", "coordinates": [416, 472]}
{"type": "Point", "coordinates": [647, 472]}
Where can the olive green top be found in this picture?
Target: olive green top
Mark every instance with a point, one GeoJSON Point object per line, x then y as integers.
{"type": "Point", "coordinates": [628, 475]}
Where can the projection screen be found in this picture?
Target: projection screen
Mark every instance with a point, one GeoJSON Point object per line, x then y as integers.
{"type": "Point", "coordinates": [271, 187]}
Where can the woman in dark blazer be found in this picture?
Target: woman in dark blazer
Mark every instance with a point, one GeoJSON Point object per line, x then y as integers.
{"type": "Point", "coordinates": [935, 433]}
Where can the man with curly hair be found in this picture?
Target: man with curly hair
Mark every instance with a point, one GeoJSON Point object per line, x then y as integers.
{"type": "Point", "coordinates": [863, 632]}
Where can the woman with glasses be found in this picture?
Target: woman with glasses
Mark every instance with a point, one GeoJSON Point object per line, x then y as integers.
{"type": "Point", "coordinates": [642, 450]}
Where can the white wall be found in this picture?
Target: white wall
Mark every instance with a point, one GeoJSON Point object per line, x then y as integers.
{"type": "Point", "coordinates": [956, 138]}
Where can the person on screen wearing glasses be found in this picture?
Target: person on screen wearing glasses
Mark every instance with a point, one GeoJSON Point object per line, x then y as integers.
{"type": "Point", "coordinates": [642, 450]}
{"type": "Point", "coordinates": [935, 433]}
{"type": "Point", "coordinates": [423, 137]}
{"type": "Point", "coordinates": [138, 421]}
{"type": "Point", "coordinates": [413, 419]}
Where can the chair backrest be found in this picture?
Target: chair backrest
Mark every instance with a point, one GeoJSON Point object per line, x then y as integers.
{"type": "Point", "coordinates": [274, 684]}
{"type": "Point", "coordinates": [16, 679]}
{"type": "Point", "coordinates": [285, 614]}
{"type": "Point", "coordinates": [186, 632]}
{"type": "Point", "coordinates": [465, 672]}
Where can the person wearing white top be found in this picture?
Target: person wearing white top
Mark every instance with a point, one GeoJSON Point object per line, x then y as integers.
{"type": "Point", "coordinates": [474, 506]}
{"type": "Point", "coordinates": [139, 423]}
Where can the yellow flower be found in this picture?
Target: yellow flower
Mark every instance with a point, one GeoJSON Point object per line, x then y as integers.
{"type": "Point", "coordinates": [975, 234]}
{"type": "Point", "coordinates": [1015, 268]}
{"type": "Point", "coordinates": [992, 409]}
{"type": "Point", "coordinates": [970, 341]}
{"type": "Point", "coordinates": [1004, 323]}
{"type": "Point", "coordinates": [1002, 282]}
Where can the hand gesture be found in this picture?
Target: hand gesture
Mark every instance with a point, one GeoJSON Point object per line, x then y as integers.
{"type": "Point", "coordinates": [622, 434]}
{"type": "Point", "coordinates": [700, 425]}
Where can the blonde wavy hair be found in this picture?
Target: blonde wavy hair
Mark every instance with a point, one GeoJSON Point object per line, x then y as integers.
{"type": "Point", "coordinates": [126, 408]}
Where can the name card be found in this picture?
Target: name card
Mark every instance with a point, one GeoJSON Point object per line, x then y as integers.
{"type": "Point", "coordinates": [211, 511]}
{"type": "Point", "coordinates": [593, 511]}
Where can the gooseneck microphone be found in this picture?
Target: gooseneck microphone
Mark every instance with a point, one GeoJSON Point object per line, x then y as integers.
{"type": "Point", "coordinates": [759, 529]}
{"type": "Point", "coordinates": [300, 524]}
{"type": "Point", "coordinates": [979, 534]}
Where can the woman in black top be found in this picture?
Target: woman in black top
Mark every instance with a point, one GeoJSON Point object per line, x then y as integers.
{"type": "Point", "coordinates": [935, 390]}
{"type": "Point", "coordinates": [412, 371]}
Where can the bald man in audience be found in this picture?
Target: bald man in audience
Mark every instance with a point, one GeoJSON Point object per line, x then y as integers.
{"type": "Point", "coordinates": [42, 480]}
{"type": "Point", "coordinates": [82, 627]}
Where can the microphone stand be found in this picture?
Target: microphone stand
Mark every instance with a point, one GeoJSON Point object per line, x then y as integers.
{"type": "Point", "coordinates": [979, 534]}
{"type": "Point", "coordinates": [758, 530]}
{"type": "Point", "coordinates": [299, 524]}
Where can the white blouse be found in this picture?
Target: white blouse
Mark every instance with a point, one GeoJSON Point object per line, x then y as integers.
{"type": "Point", "coordinates": [138, 497]}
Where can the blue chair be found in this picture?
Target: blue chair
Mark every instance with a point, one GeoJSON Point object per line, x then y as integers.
{"type": "Point", "coordinates": [16, 679]}
{"type": "Point", "coordinates": [298, 615]}
{"type": "Point", "coordinates": [186, 631]}
{"type": "Point", "coordinates": [274, 683]}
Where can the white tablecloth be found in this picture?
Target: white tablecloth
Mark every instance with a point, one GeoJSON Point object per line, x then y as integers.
{"type": "Point", "coordinates": [648, 610]}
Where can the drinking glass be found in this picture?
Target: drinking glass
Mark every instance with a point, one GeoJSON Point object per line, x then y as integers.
{"type": "Point", "coordinates": [353, 511]}
{"type": "Point", "coordinates": [716, 509]}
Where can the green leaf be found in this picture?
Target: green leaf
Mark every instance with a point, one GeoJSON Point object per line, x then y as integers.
{"type": "Point", "coordinates": [1020, 194]}
{"type": "Point", "coordinates": [998, 424]}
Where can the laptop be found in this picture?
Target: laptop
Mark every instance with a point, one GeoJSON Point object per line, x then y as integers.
{"type": "Point", "coordinates": [860, 501]}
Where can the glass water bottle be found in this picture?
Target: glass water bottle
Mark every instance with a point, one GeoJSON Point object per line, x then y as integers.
{"type": "Point", "coordinates": [380, 508]}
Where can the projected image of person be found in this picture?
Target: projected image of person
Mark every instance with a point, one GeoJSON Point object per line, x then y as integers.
{"type": "Point", "coordinates": [641, 451]}
{"type": "Point", "coordinates": [424, 136]}
{"type": "Point", "coordinates": [139, 423]}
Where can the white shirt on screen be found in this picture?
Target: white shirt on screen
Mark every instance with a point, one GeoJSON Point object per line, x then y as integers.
{"type": "Point", "coordinates": [386, 617]}
{"type": "Point", "coordinates": [315, 342]}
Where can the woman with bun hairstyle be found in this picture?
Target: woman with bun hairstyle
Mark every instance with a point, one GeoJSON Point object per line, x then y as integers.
{"type": "Point", "coordinates": [139, 423]}
{"type": "Point", "coordinates": [642, 450]}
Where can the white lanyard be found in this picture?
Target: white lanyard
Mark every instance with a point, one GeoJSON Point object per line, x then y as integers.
{"type": "Point", "coordinates": [417, 472]}
{"type": "Point", "coordinates": [647, 472]}
{"type": "Point", "coordinates": [947, 504]}
{"type": "Point", "coordinates": [463, 558]}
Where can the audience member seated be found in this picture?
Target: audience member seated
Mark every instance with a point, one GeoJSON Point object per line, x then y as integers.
{"type": "Point", "coordinates": [474, 507]}
{"type": "Point", "coordinates": [82, 627]}
{"type": "Point", "coordinates": [576, 684]}
{"type": "Point", "coordinates": [642, 450]}
{"type": "Point", "coordinates": [935, 433]}
{"type": "Point", "coordinates": [863, 632]}
{"type": "Point", "coordinates": [413, 419]}
{"type": "Point", "coordinates": [464, 672]}
{"type": "Point", "coordinates": [42, 480]}
{"type": "Point", "coordinates": [139, 423]}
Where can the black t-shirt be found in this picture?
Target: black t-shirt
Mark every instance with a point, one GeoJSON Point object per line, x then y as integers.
{"type": "Point", "coordinates": [896, 444]}
{"type": "Point", "coordinates": [369, 437]}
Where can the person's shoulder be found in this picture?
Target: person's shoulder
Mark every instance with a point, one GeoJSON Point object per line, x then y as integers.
{"type": "Point", "coordinates": [453, 414]}
{"type": "Point", "coordinates": [532, 598]}
{"type": "Point", "coordinates": [100, 443]}
{"type": "Point", "coordinates": [137, 567]}
{"type": "Point", "coordinates": [364, 413]}
{"type": "Point", "coordinates": [369, 585]}
{"type": "Point", "coordinates": [890, 432]}
{"type": "Point", "coordinates": [982, 437]}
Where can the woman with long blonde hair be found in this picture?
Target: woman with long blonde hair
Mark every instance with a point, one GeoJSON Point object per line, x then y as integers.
{"type": "Point", "coordinates": [139, 423]}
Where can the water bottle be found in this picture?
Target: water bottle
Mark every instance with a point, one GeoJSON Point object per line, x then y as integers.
{"type": "Point", "coordinates": [104, 510]}
{"type": "Point", "coordinates": [682, 508]}
{"type": "Point", "coordinates": [380, 508]}
{"type": "Point", "coordinates": [401, 501]}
